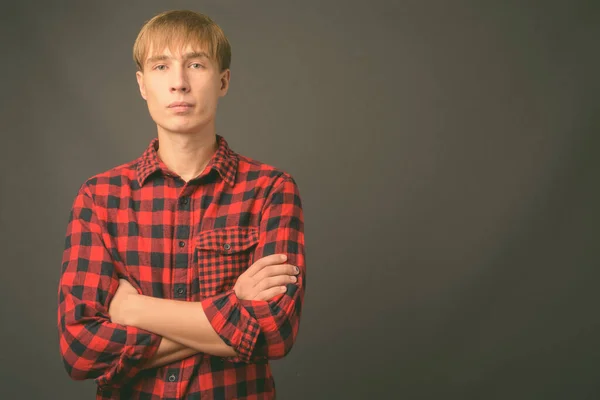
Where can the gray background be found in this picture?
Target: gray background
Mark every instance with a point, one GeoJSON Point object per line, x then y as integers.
{"type": "Point", "coordinates": [445, 151]}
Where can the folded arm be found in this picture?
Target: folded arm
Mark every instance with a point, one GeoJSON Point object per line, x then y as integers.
{"type": "Point", "coordinates": [168, 352]}
{"type": "Point", "coordinates": [226, 325]}
{"type": "Point", "coordinates": [186, 322]}
{"type": "Point", "coordinates": [259, 329]}
{"type": "Point", "coordinates": [93, 346]}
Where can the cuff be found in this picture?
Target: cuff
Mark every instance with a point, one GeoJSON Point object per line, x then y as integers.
{"type": "Point", "coordinates": [233, 323]}
{"type": "Point", "coordinates": [140, 346]}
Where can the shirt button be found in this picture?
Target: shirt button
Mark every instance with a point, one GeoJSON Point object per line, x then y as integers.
{"type": "Point", "coordinates": [227, 246]}
{"type": "Point", "coordinates": [181, 243]}
{"type": "Point", "coordinates": [184, 200]}
{"type": "Point", "coordinates": [172, 378]}
{"type": "Point", "coordinates": [180, 291]}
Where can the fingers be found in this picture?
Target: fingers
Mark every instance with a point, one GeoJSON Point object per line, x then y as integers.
{"type": "Point", "coordinates": [275, 270]}
{"type": "Point", "coordinates": [266, 278]}
{"type": "Point", "coordinates": [271, 286]}
{"type": "Point", "coordinates": [270, 293]}
{"type": "Point", "coordinates": [271, 282]}
{"type": "Point", "coordinates": [264, 262]}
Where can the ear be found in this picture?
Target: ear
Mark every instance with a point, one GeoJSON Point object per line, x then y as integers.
{"type": "Point", "coordinates": [140, 80]}
{"type": "Point", "coordinates": [225, 79]}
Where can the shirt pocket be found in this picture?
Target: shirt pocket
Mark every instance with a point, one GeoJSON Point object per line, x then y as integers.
{"type": "Point", "coordinates": [221, 256]}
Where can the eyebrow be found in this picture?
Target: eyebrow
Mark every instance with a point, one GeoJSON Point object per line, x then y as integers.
{"type": "Point", "coordinates": [186, 56]}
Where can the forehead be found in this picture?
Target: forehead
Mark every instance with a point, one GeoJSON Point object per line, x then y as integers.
{"type": "Point", "coordinates": [176, 50]}
{"type": "Point", "coordinates": [176, 42]}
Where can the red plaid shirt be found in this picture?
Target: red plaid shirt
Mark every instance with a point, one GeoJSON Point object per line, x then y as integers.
{"type": "Point", "coordinates": [186, 241]}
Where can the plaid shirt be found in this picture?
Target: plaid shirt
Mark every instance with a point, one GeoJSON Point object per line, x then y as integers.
{"type": "Point", "coordinates": [185, 241]}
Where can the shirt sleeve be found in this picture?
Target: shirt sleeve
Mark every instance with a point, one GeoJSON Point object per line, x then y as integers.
{"type": "Point", "coordinates": [267, 329]}
{"type": "Point", "coordinates": [90, 344]}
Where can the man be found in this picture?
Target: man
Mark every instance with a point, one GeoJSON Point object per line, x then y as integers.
{"type": "Point", "coordinates": [184, 270]}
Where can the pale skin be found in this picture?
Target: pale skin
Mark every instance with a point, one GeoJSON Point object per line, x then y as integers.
{"type": "Point", "coordinates": [187, 142]}
{"type": "Point", "coordinates": [183, 325]}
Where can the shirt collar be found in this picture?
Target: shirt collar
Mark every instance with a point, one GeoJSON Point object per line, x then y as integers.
{"type": "Point", "coordinates": [224, 161]}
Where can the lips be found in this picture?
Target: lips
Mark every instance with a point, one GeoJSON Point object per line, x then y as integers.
{"type": "Point", "coordinates": [180, 104]}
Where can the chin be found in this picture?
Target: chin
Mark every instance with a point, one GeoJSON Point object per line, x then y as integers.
{"type": "Point", "coordinates": [188, 128]}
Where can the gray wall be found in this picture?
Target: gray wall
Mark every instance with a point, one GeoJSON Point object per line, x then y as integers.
{"type": "Point", "coordinates": [446, 154]}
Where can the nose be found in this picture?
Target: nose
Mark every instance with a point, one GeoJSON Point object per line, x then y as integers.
{"type": "Point", "coordinates": [179, 81]}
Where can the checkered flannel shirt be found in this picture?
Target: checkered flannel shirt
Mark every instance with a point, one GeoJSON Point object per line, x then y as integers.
{"type": "Point", "coordinates": [184, 241]}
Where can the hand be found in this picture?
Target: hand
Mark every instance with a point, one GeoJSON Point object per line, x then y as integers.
{"type": "Point", "coordinates": [117, 309]}
{"type": "Point", "coordinates": [265, 279]}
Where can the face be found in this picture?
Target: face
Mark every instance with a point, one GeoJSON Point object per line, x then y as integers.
{"type": "Point", "coordinates": [182, 89]}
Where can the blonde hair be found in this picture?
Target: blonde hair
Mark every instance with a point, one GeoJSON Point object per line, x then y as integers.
{"type": "Point", "coordinates": [180, 27]}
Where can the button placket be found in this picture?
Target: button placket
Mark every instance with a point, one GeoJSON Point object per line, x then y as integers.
{"type": "Point", "coordinates": [182, 233]}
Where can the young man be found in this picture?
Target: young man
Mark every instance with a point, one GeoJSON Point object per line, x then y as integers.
{"type": "Point", "coordinates": [184, 270]}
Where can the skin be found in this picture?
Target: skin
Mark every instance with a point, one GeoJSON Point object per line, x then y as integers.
{"type": "Point", "coordinates": [187, 142]}
{"type": "Point", "coordinates": [187, 137]}
{"type": "Point", "coordinates": [183, 325]}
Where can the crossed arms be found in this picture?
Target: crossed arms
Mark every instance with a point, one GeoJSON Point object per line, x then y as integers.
{"type": "Point", "coordinates": [108, 331]}
{"type": "Point", "coordinates": [183, 325]}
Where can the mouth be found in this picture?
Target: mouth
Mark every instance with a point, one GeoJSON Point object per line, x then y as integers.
{"type": "Point", "coordinates": [179, 106]}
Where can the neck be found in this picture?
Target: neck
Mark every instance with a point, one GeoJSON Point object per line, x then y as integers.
{"type": "Point", "coordinates": [186, 154]}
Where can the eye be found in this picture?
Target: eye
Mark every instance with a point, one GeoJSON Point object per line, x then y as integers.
{"type": "Point", "coordinates": [160, 67]}
{"type": "Point", "coordinates": [196, 65]}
